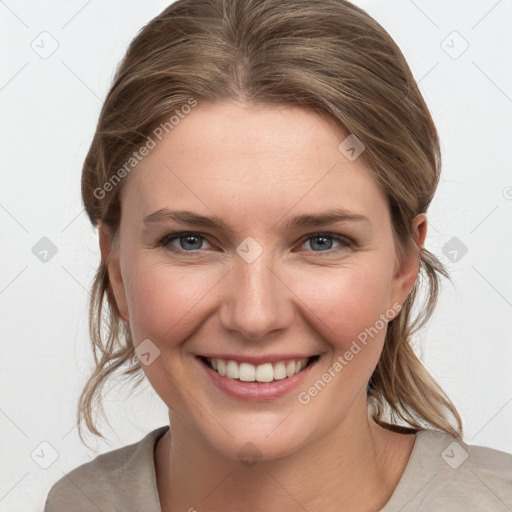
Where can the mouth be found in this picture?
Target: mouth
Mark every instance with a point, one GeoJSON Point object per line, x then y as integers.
{"type": "Point", "coordinates": [265, 372]}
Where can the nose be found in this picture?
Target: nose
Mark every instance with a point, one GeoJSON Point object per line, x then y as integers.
{"type": "Point", "coordinates": [257, 301]}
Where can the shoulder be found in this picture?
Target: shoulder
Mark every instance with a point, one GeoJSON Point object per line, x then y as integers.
{"type": "Point", "coordinates": [478, 473]}
{"type": "Point", "coordinates": [122, 479]}
{"type": "Point", "coordinates": [445, 473]}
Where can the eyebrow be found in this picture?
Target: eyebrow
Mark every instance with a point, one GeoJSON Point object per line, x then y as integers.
{"type": "Point", "coordinates": [214, 222]}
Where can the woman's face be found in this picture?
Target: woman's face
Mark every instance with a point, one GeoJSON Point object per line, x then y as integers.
{"type": "Point", "coordinates": [264, 276]}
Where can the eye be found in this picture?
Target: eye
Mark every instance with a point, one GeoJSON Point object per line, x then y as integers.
{"type": "Point", "coordinates": [186, 241]}
{"type": "Point", "coordinates": [191, 242]}
{"type": "Point", "coordinates": [323, 242]}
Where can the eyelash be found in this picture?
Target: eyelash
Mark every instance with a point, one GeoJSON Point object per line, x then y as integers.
{"type": "Point", "coordinates": [167, 239]}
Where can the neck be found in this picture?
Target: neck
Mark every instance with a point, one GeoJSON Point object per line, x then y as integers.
{"type": "Point", "coordinates": [355, 467]}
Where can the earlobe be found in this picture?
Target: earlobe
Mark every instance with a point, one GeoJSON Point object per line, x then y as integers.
{"type": "Point", "coordinates": [109, 247]}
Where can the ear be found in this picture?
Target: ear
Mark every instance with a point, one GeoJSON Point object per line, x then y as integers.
{"type": "Point", "coordinates": [109, 247]}
{"type": "Point", "coordinates": [407, 267]}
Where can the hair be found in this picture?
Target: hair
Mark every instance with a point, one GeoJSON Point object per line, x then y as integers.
{"type": "Point", "coordinates": [327, 56]}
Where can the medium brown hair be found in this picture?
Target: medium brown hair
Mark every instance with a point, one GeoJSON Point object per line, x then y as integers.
{"type": "Point", "coordinates": [327, 56]}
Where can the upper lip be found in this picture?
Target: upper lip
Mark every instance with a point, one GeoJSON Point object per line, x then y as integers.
{"type": "Point", "coordinates": [256, 360]}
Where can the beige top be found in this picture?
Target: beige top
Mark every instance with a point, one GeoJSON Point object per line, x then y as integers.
{"type": "Point", "coordinates": [442, 474]}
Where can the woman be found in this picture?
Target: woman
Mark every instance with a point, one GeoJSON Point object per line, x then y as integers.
{"type": "Point", "coordinates": [260, 177]}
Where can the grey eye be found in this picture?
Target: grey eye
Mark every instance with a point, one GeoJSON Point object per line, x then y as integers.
{"type": "Point", "coordinates": [321, 243]}
{"type": "Point", "coordinates": [190, 242]}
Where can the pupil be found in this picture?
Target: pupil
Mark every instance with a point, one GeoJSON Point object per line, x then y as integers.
{"type": "Point", "coordinates": [321, 246]}
{"type": "Point", "coordinates": [189, 239]}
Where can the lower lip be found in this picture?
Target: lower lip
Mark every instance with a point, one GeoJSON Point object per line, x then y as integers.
{"type": "Point", "coordinates": [256, 391]}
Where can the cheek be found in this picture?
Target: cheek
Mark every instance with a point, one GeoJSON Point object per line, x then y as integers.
{"type": "Point", "coordinates": [167, 302]}
{"type": "Point", "coordinates": [163, 300]}
{"type": "Point", "coordinates": [346, 304]}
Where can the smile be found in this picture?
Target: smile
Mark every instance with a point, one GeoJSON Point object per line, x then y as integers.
{"type": "Point", "coordinates": [265, 372]}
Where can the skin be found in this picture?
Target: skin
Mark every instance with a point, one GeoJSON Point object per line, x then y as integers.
{"type": "Point", "coordinates": [256, 167]}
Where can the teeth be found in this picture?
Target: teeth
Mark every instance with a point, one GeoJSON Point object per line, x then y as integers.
{"type": "Point", "coordinates": [279, 371]}
{"type": "Point", "coordinates": [266, 372]}
{"type": "Point", "coordinates": [290, 368]}
{"type": "Point", "coordinates": [247, 372]}
{"type": "Point", "coordinates": [232, 370]}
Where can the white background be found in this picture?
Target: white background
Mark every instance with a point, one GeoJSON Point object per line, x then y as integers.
{"type": "Point", "coordinates": [49, 111]}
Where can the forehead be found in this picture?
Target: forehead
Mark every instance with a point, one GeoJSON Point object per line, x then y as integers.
{"type": "Point", "coordinates": [233, 157]}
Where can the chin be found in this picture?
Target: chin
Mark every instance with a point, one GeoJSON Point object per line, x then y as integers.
{"type": "Point", "coordinates": [251, 443]}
